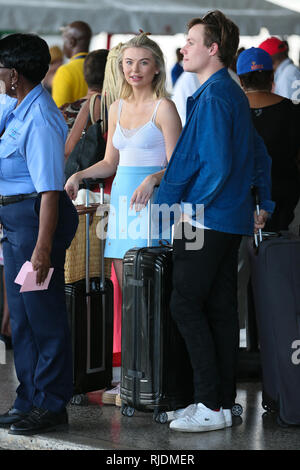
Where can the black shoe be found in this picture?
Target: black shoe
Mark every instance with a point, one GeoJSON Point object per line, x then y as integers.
{"type": "Point", "coordinates": [12, 416]}
{"type": "Point", "coordinates": [38, 421]}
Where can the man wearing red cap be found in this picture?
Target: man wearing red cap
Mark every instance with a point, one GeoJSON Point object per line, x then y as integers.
{"type": "Point", "coordinates": [287, 75]}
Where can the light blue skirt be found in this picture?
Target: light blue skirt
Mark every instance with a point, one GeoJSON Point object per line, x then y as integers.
{"type": "Point", "coordinates": [126, 227]}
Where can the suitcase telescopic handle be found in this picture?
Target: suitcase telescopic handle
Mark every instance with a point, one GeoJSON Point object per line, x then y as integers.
{"type": "Point", "coordinates": [87, 184]}
{"type": "Point", "coordinates": [149, 238]}
{"type": "Point", "coordinates": [149, 233]}
{"type": "Point", "coordinates": [255, 195]}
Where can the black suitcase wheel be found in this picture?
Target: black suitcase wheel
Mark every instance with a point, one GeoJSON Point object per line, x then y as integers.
{"type": "Point", "coordinates": [237, 409]}
{"type": "Point", "coordinates": [267, 407]}
{"type": "Point", "coordinates": [127, 411]}
{"type": "Point", "coordinates": [123, 406]}
{"type": "Point", "coordinates": [160, 418]}
{"type": "Point", "coordinates": [269, 404]}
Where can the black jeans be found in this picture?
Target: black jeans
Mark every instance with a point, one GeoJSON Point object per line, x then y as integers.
{"type": "Point", "coordinates": [204, 306]}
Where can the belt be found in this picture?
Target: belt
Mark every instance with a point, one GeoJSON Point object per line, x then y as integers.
{"type": "Point", "coordinates": [5, 200]}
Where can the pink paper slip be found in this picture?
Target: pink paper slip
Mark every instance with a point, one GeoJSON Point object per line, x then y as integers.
{"type": "Point", "coordinates": [27, 278]}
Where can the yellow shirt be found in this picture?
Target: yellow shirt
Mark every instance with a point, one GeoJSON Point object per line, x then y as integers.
{"type": "Point", "coordinates": [68, 83]}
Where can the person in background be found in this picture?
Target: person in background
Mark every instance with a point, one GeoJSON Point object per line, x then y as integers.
{"type": "Point", "coordinates": [39, 222]}
{"type": "Point", "coordinates": [233, 63]}
{"type": "Point", "coordinates": [286, 74]}
{"type": "Point", "coordinates": [217, 158]}
{"type": "Point", "coordinates": [68, 84]}
{"type": "Point", "coordinates": [186, 86]}
{"type": "Point", "coordinates": [277, 120]}
{"type": "Point", "coordinates": [56, 61]}
{"type": "Point", "coordinates": [177, 69]}
{"type": "Point", "coordinates": [76, 114]}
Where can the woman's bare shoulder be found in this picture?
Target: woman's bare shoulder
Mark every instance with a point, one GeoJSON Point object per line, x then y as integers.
{"type": "Point", "coordinates": [114, 106]}
{"type": "Point", "coordinates": [167, 107]}
{"type": "Point", "coordinates": [166, 110]}
{"type": "Point", "coordinates": [167, 103]}
{"type": "Point", "coordinates": [113, 111]}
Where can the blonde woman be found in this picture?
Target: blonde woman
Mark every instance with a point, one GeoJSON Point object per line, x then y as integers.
{"type": "Point", "coordinates": [143, 128]}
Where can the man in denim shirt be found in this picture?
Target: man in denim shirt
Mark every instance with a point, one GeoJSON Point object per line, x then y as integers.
{"type": "Point", "coordinates": [217, 159]}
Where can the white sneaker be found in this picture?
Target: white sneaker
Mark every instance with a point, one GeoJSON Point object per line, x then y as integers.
{"type": "Point", "coordinates": [201, 420]}
{"type": "Point", "coordinates": [228, 417]}
{"type": "Point", "coordinates": [180, 412]}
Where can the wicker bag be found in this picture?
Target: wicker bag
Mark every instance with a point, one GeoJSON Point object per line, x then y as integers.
{"type": "Point", "coordinates": [75, 264]}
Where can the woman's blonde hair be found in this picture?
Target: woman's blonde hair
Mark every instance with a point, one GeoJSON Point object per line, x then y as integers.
{"type": "Point", "coordinates": [111, 84]}
{"type": "Point", "coordinates": [159, 81]}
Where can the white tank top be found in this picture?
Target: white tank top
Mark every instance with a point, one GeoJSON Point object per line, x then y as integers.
{"type": "Point", "coordinates": [143, 146]}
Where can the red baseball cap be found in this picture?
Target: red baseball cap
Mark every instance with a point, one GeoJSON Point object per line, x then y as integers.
{"type": "Point", "coordinates": [273, 45]}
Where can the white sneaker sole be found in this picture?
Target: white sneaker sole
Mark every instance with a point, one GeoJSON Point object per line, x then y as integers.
{"type": "Point", "coordinates": [213, 427]}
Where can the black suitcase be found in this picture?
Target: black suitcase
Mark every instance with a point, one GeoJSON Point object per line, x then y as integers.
{"type": "Point", "coordinates": [90, 308]}
{"type": "Point", "coordinates": [156, 372]}
{"type": "Point", "coordinates": [275, 278]}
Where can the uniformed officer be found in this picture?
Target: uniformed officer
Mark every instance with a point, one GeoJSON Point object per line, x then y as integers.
{"type": "Point", "coordinates": [39, 222]}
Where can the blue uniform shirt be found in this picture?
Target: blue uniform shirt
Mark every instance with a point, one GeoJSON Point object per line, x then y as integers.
{"type": "Point", "coordinates": [218, 156]}
{"type": "Point", "coordinates": [32, 145]}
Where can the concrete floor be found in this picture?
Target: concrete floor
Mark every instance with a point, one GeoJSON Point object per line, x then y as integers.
{"type": "Point", "coordinates": [97, 427]}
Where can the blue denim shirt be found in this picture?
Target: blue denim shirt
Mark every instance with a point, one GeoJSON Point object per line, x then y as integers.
{"type": "Point", "coordinates": [218, 157]}
{"type": "Point", "coordinates": [32, 144]}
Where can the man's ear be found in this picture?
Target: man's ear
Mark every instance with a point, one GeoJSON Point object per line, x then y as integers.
{"type": "Point", "coordinates": [213, 49]}
{"type": "Point", "coordinates": [73, 42]}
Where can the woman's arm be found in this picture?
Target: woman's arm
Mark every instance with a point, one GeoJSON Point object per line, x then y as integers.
{"type": "Point", "coordinates": [40, 258]}
{"type": "Point", "coordinates": [107, 167]}
{"type": "Point", "coordinates": [169, 122]}
{"type": "Point", "coordinates": [77, 128]}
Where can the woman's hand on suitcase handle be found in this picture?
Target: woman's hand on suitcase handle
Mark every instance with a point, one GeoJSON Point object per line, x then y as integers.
{"type": "Point", "coordinates": [260, 220]}
{"type": "Point", "coordinates": [72, 186]}
{"type": "Point", "coordinates": [143, 193]}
